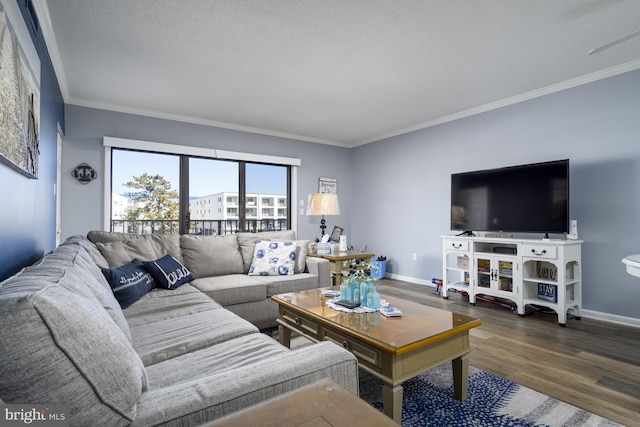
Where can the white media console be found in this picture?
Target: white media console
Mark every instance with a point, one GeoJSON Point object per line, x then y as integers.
{"type": "Point", "coordinates": [525, 271]}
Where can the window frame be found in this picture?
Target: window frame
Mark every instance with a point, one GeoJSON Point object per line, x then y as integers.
{"type": "Point", "coordinates": [110, 143]}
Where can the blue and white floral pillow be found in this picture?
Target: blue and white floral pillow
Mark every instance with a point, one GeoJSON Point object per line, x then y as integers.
{"type": "Point", "coordinates": [272, 258]}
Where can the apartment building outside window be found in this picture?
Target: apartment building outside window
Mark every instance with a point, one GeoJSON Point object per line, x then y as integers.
{"type": "Point", "coordinates": [199, 195]}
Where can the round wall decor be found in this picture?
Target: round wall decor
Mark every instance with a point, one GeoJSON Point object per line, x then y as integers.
{"type": "Point", "coordinates": [84, 173]}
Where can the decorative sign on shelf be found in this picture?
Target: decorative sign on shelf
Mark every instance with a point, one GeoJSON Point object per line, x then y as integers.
{"type": "Point", "coordinates": [84, 173]}
{"type": "Point", "coordinates": [547, 292]}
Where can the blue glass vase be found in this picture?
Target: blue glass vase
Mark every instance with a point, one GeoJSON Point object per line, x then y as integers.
{"type": "Point", "coordinates": [365, 287]}
{"type": "Point", "coordinates": [373, 298]}
{"type": "Point", "coordinates": [345, 291]}
{"type": "Point", "coordinates": [355, 290]}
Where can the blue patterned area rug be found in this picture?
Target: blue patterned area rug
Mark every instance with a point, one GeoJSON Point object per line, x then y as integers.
{"type": "Point", "coordinates": [491, 401]}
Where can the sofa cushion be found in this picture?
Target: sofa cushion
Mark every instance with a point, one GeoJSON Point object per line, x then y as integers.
{"type": "Point", "coordinates": [163, 339]}
{"type": "Point", "coordinates": [273, 258]}
{"type": "Point", "coordinates": [123, 252]}
{"type": "Point", "coordinates": [165, 304]}
{"type": "Point", "coordinates": [232, 288]}
{"type": "Point", "coordinates": [88, 278]}
{"type": "Point", "coordinates": [284, 284]}
{"type": "Point", "coordinates": [88, 246]}
{"type": "Point", "coordinates": [233, 353]}
{"type": "Point", "coordinates": [237, 374]}
{"type": "Point", "coordinates": [161, 244]}
{"type": "Point", "coordinates": [129, 282]}
{"type": "Point", "coordinates": [247, 242]}
{"type": "Point", "coordinates": [168, 272]}
{"type": "Point", "coordinates": [207, 256]}
{"type": "Point", "coordinates": [61, 346]}
{"type": "Point", "coordinates": [301, 259]}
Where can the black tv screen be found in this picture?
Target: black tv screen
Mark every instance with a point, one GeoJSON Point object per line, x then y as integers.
{"type": "Point", "coordinates": [531, 198]}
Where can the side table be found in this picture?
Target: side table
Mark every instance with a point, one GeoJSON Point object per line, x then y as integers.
{"type": "Point", "coordinates": [341, 262]}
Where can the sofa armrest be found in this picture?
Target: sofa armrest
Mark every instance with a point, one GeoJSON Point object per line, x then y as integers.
{"type": "Point", "coordinates": [218, 395]}
{"type": "Point", "coordinates": [321, 268]}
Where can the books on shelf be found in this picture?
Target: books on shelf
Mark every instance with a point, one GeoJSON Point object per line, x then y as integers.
{"type": "Point", "coordinates": [391, 312]}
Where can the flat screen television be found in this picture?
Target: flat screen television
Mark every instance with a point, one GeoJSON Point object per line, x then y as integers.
{"type": "Point", "coordinates": [532, 198]}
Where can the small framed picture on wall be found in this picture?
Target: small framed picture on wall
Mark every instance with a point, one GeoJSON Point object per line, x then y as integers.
{"type": "Point", "coordinates": [327, 185]}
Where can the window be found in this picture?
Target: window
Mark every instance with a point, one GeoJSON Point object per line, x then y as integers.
{"type": "Point", "coordinates": [148, 182]}
{"type": "Point", "coordinates": [165, 188]}
{"type": "Point", "coordinates": [269, 182]}
{"type": "Point", "coordinates": [211, 179]}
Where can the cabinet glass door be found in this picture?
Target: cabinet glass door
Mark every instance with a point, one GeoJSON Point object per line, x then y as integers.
{"type": "Point", "coordinates": [505, 276]}
{"type": "Point", "coordinates": [484, 273]}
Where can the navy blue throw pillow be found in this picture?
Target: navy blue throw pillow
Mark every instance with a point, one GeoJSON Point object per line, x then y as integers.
{"type": "Point", "coordinates": [168, 272]}
{"type": "Point", "coordinates": [129, 282]}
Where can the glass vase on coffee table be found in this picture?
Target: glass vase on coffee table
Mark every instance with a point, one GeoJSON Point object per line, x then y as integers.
{"type": "Point", "coordinates": [358, 286]}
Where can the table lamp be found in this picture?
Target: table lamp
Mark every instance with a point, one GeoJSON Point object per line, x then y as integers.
{"type": "Point", "coordinates": [323, 204]}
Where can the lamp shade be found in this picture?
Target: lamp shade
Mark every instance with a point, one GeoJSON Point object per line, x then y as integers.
{"type": "Point", "coordinates": [323, 204]}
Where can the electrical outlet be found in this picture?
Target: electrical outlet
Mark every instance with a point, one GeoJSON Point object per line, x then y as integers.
{"type": "Point", "coordinates": [414, 256]}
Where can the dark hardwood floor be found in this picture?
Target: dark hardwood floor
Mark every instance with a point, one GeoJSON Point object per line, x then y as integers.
{"type": "Point", "coordinates": [590, 364]}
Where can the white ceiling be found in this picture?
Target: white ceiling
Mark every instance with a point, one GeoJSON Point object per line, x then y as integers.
{"type": "Point", "coordinates": [341, 72]}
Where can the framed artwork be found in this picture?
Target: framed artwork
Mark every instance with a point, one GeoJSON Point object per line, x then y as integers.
{"type": "Point", "coordinates": [335, 234]}
{"type": "Point", "coordinates": [327, 185]}
{"type": "Point", "coordinates": [20, 93]}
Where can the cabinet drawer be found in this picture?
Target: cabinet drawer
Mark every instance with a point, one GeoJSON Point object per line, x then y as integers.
{"type": "Point", "coordinates": [306, 325]}
{"type": "Point", "coordinates": [458, 245]}
{"type": "Point", "coordinates": [540, 251]}
{"type": "Point", "coordinates": [366, 354]}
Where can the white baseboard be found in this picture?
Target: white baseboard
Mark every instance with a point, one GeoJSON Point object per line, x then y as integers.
{"type": "Point", "coordinates": [614, 318]}
{"type": "Point", "coordinates": [409, 279]}
{"type": "Point", "coordinates": [597, 315]}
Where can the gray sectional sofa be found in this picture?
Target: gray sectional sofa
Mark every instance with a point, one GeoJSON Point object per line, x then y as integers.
{"type": "Point", "coordinates": [219, 265]}
{"type": "Point", "coordinates": [179, 356]}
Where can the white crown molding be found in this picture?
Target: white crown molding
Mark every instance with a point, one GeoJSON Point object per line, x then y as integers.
{"type": "Point", "coordinates": [199, 121]}
{"type": "Point", "coordinates": [50, 40]}
{"type": "Point", "coordinates": [578, 81]}
{"type": "Point", "coordinates": [49, 36]}
{"type": "Point", "coordinates": [52, 45]}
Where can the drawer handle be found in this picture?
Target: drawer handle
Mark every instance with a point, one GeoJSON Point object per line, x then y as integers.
{"type": "Point", "coordinates": [533, 251]}
{"type": "Point", "coordinates": [345, 345]}
{"type": "Point", "coordinates": [298, 321]}
{"type": "Point", "coordinates": [456, 245]}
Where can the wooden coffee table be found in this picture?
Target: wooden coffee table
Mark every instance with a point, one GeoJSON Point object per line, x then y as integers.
{"type": "Point", "coordinates": [393, 349]}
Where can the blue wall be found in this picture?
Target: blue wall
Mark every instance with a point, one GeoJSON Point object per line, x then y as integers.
{"type": "Point", "coordinates": [394, 194]}
{"type": "Point", "coordinates": [596, 126]}
{"type": "Point", "coordinates": [83, 205]}
{"type": "Point", "coordinates": [28, 212]}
